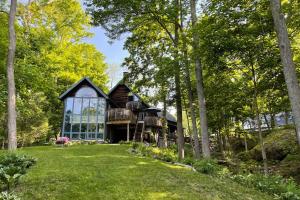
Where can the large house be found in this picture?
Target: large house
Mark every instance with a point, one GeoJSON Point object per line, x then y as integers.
{"type": "Point", "coordinates": [90, 114]}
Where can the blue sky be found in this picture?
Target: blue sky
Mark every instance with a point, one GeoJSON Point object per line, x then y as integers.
{"type": "Point", "coordinates": [113, 52]}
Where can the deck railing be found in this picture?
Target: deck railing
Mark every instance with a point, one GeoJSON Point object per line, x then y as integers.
{"type": "Point", "coordinates": [152, 121]}
{"type": "Point", "coordinates": [120, 114]}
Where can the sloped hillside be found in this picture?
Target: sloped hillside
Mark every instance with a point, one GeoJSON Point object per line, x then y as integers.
{"type": "Point", "coordinates": [110, 172]}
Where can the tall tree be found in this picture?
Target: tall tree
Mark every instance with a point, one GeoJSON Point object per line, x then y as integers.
{"type": "Point", "coordinates": [188, 84]}
{"type": "Point", "coordinates": [200, 87]}
{"type": "Point", "coordinates": [118, 17]}
{"type": "Point", "coordinates": [11, 100]}
{"type": "Point", "coordinates": [287, 62]}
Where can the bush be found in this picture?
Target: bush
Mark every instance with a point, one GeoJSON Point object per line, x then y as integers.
{"type": "Point", "coordinates": [281, 188]}
{"type": "Point", "coordinates": [165, 154]}
{"type": "Point", "coordinates": [188, 161]}
{"type": "Point", "coordinates": [62, 140]}
{"type": "Point", "coordinates": [12, 167]}
{"type": "Point", "coordinates": [207, 166]}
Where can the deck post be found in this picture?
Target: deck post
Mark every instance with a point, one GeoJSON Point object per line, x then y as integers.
{"type": "Point", "coordinates": [128, 132]}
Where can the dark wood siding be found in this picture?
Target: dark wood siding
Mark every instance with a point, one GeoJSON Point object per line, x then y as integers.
{"type": "Point", "coordinates": [120, 96]}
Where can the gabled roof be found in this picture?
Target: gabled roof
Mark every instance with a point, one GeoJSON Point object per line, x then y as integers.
{"type": "Point", "coordinates": [68, 91]}
{"type": "Point", "coordinates": [121, 83]}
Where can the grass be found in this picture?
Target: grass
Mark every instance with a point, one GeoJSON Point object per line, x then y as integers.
{"type": "Point", "coordinates": [110, 172]}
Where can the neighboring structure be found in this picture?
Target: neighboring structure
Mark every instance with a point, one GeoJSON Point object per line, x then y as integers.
{"type": "Point", "coordinates": [90, 114]}
{"type": "Point", "coordinates": [268, 121]}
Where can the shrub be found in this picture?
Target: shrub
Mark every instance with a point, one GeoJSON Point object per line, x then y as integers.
{"type": "Point", "coordinates": [165, 154]}
{"type": "Point", "coordinates": [12, 167]}
{"type": "Point", "coordinates": [281, 188]}
{"type": "Point", "coordinates": [135, 145]}
{"type": "Point", "coordinates": [207, 166]}
{"type": "Point", "coordinates": [62, 140]}
{"type": "Point", "coordinates": [188, 161]}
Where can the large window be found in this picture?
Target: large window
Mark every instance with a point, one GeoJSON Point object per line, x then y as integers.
{"type": "Point", "coordinates": [84, 115]}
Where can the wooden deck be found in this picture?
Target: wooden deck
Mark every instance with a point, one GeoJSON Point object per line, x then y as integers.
{"type": "Point", "coordinates": [120, 116]}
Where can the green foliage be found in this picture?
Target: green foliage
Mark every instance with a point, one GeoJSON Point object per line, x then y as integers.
{"type": "Point", "coordinates": [165, 154]}
{"type": "Point", "coordinates": [290, 167]}
{"type": "Point", "coordinates": [207, 166]}
{"type": "Point", "coordinates": [8, 196]}
{"type": "Point", "coordinates": [278, 186]}
{"type": "Point", "coordinates": [12, 167]}
{"type": "Point", "coordinates": [188, 161]}
{"type": "Point", "coordinates": [51, 55]}
{"type": "Point", "coordinates": [278, 145]}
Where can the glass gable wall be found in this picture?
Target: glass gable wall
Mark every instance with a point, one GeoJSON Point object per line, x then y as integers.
{"type": "Point", "coordinates": [84, 115]}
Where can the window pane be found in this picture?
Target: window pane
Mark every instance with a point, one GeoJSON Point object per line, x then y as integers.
{"type": "Point", "coordinates": [82, 136]}
{"type": "Point", "coordinates": [100, 119]}
{"type": "Point", "coordinates": [83, 127]}
{"type": "Point", "coordinates": [75, 127]}
{"type": "Point", "coordinates": [84, 119]}
{"type": "Point", "coordinates": [67, 135]}
{"type": "Point", "coordinates": [101, 128]}
{"type": "Point", "coordinates": [69, 105]}
{"type": "Point", "coordinates": [76, 119]}
{"type": "Point", "coordinates": [100, 135]}
{"type": "Point", "coordinates": [92, 128]}
{"type": "Point", "coordinates": [101, 106]}
{"type": "Point", "coordinates": [85, 106]}
{"type": "Point", "coordinates": [86, 92]}
{"type": "Point", "coordinates": [75, 136]}
{"type": "Point", "coordinates": [67, 123]}
{"type": "Point", "coordinates": [93, 119]}
{"type": "Point", "coordinates": [93, 107]}
{"type": "Point", "coordinates": [91, 136]}
{"type": "Point", "coordinates": [77, 106]}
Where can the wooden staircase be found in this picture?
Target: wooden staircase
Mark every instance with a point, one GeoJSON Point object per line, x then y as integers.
{"type": "Point", "coordinates": [139, 131]}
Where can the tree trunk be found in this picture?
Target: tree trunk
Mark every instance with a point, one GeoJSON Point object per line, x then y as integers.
{"type": "Point", "coordinates": [180, 137]}
{"type": "Point", "coordinates": [164, 124]}
{"type": "Point", "coordinates": [245, 141]}
{"type": "Point", "coordinates": [272, 120]}
{"type": "Point", "coordinates": [191, 106]}
{"type": "Point", "coordinates": [258, 122]}
{"type": "Point", "coordinates": [286, 117]}
{"type": "Point", "coordinates": [267, 122]}
{"type": "Point", "coordinates": [287, 62]}
{"type": "Point", "coordinates": [200, 88]}
{"type": "Point", "coordinates": [220, 142]}
{"type": "Point", "coordinates": [11, 100]}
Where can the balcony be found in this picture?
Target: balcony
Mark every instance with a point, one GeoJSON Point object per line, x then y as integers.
{"type": "Point", "coordinates": [120, 116]}
{"type": "Point", "coordinates": [152, 121]}
{"type": "Point", "coordinates": [134, 106]}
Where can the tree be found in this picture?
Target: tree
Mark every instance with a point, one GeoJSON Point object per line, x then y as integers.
{"type": "Point", "coordinates": [11, 100]}
{"type": "Point", "coordinates": [50, 56]}
{"type": "Point", "coordinates": [118, 17]}
{"type": "Point", "coordinates": [200, 87]}
{"type": "Point", "coordinates": [287, 62]}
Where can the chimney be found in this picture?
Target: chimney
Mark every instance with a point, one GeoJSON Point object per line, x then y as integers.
{"type": "Point", "coordinates": [125, 77]}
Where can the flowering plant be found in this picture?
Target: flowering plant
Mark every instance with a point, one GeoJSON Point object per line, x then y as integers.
{"type": "Point", "coordinates": [62, 140]}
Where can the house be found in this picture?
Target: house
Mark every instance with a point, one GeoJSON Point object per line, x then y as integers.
{"type": "Point", "coordinates": [90, 114]}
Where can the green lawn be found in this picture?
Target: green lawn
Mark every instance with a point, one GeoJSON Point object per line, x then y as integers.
{"type": "Point", "coordinates": [110, 172]}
